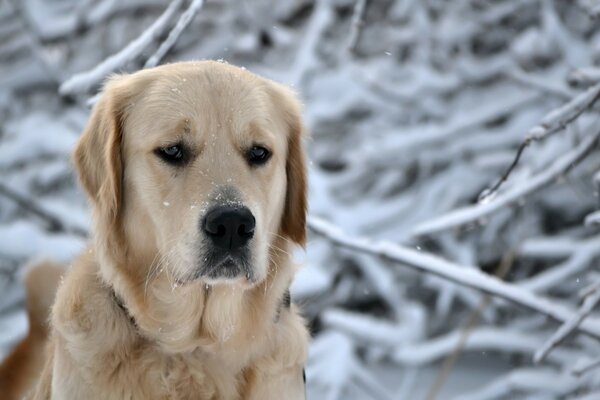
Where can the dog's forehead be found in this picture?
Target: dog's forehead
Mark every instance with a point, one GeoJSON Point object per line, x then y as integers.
{"type": "Point", "coordinates": [202, 101]}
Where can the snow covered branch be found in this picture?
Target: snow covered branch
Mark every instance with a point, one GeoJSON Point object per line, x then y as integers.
{"type": "Point", "coordinates": [568, 327]}
{"type": "Point", "coordinates": [544, 178]}
{"type": "Point", "coordinates": [185, 19]}
{"type": "Point", "coordinates": [85, 81]}
{"type": "Point", "coordinates": [358, 21]}
{"type": "Point", "coordinates": [55, 223]}
{"type": "Point", "coordinates": [469, 277]}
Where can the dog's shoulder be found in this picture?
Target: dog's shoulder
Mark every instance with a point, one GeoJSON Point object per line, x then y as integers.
{"type": "Point", "coordinates": [86, 305]}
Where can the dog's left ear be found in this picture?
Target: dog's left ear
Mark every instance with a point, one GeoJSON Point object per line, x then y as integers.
{"type": "Point", "coordinates": [293, 223]}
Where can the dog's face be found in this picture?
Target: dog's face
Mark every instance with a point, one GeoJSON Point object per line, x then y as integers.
{"type": "Point", "coordinates": [198, 167]}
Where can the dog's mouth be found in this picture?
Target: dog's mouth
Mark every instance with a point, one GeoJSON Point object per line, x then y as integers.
{"type": "Point", "coordinates": [223, 267]}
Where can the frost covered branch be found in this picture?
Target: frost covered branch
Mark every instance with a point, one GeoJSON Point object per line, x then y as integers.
{"type": "Point", "coordinates": [54, 222]}
{"type": "Point", "coordinates": [185, 19]}
{"type": "Point", "coordinates": [551, 123]}
{"type": "Point", "coordinates": [84, 81]}
{"type": "Point", "coordinates": [464, 276]}
{"type": "Point", "coordinates": [358, 21]}
{"type": "Point", "coordinates": [476, 212]}
{"type": "Point", "coordinates": [568, 327]}
{"type": "Point", "coordinates": [586, 367]}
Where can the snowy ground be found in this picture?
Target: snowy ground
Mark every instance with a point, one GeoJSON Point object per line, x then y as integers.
{"type": "Point", "coordinates": [413, 113]}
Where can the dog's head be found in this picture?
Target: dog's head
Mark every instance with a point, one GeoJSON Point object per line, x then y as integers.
{"type": "Point", "coordinates": [199, 168]}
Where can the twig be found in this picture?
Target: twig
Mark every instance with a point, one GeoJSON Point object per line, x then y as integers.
{"type": "Point", "coordinates": [488, 193]}
{"type": "Point", "coordinates": [553, 122]}
{"type": "Point", "coordinates": [585, 76]}
{"type": "Point", "coordinates": [34, 41]}
{"type": "Point", "coordinates": [559, 118]}
{"type": "Point", "coordinates": [503, 268]}
{"type": "Point", "coordinates": [54, 223]}
{"type": "Point", "coordinates": [582, 369]}
{"type": "Point", "coordinates": [468, 277]}
{"type": "Point", "coordinates": [519, 76]}
{"type": "Point", "coordinates": [182, 23]}
{"type": "Point", "coordinates": [358, 22]}
{"type": "Point", "coordinates": [84, 81]}
{"type": "Point", "coordinates": [568, 327]}
{"type": "Point", "coordinates": [475, 212]}
{"type": "Point", "coordinates": [504, 340]}
{"type": "Point", "coordinates": [582, 256]}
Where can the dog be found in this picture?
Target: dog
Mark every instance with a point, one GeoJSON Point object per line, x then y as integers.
{"type": "Point", "coordinates": [196, 174]}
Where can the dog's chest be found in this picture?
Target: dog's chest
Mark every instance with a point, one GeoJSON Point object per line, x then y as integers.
{"type": "Point", "coordinates": [190, 376]}
{"type": "Point", "coordinates": [152, 375]}
{"type": "Point", "coordinates": [146, 373]}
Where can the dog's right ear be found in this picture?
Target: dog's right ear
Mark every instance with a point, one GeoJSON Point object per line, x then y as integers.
{"type": "Point", "coordinates": [97, 155]}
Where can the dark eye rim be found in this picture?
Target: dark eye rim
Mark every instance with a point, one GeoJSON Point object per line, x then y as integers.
{"type": "Point", "coordinates": [256, 159]}
{"type": "Point", "coordinates": [180, 157]}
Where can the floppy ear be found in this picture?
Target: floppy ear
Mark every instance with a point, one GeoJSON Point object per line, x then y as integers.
{"type": "Point", "coordinates": [97, 155]}
{"type": "Point", "coordinates": [293, 223]}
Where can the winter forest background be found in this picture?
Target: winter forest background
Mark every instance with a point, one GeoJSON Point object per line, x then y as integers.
{"type": "Point", "coordinates": [427, 275]}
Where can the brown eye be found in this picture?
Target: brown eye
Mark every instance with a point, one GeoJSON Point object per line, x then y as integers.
{"type": "Point", "coordinates": [258, 155]}
{"type": "Point", "coordinates": [175, 154]}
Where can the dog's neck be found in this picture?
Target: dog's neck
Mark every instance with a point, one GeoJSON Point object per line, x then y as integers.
{"type": "Point", "coordinates": [195, 315]}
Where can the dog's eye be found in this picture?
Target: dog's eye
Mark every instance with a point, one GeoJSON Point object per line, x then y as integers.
{"type": "Point", "coordinates": [172, 154]}
{"type": "Point", "coordinates": [258, 155]}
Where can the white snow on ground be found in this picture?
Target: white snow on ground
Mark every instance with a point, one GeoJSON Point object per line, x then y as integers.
{"type": "Point", "coordinates": [406, 132]}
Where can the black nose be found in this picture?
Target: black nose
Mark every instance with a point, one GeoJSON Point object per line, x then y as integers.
{"type": "Point", "coordinates": [229, 227]}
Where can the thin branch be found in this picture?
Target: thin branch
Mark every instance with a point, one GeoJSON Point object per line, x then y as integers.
{"type": "Point", "coordinates": [54, 223]}
{"type": "Point", "coordinates": [182, 23]}
{"type": "Point", "coordinates": [468, 277]}
{"type": "Point", "coordinates": [519, 76]}
{"type": "Point", "coordinates": [559, 118]}
{"type": "Point", "coordinates": [585, 76]}
{"type": "Point", "coordinates": [475, 212]}
{"type": "Point", "coordinates": [84, 81]}
{"type": "Point", "coordinates": [553, 122]}
{"type": "Point", "coordinates": [586, 367]}
{"type": "Point", "coordinates": [490, 192]}
{"type": "Point", "coordinates": [568, 327]}
{"type": "Point", "coordinates": [503, 268]}
{"type": "Point", "coordinates": [358, 22]}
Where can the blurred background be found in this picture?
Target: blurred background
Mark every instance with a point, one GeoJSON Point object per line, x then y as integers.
{"type": "Point", "coordinates": [454, 241]}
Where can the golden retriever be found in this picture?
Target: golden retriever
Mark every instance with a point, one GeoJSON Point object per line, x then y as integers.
{"type": "Point", "coordinates": [196, 173]}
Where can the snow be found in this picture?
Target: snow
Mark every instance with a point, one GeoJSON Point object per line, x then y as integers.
{"type": "Point", "coordinates": [412, 114]}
